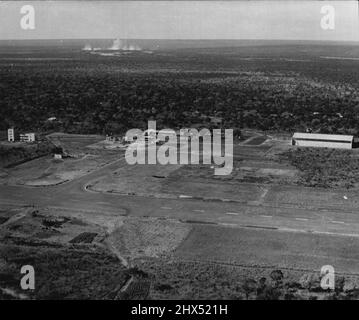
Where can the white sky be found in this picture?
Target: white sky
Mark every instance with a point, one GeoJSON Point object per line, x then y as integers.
{"type": "Point", "coordinates": [295, 20]}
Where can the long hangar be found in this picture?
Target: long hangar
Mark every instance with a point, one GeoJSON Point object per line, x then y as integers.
{"type": "Point", "coordinates": [323, 140]}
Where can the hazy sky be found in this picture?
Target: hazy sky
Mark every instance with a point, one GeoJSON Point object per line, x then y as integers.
{"type": "Point", "coordinates": [180, 20]}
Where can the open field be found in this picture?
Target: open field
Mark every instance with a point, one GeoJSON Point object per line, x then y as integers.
{"type": "Point", "coordinates": [272, 162]}
{"type": "Point", "coordinates": [136, 179]}
{"type": "Point", "coordinates": [251, 166]}
{"type": "Point", "coordinates": [239, 266]}
{"type": "Point", "coordinates": [75, 144]}
{"type": "Point", "coordinates": [267, 177]}
{"type": "Point", "coordinates": [138, 238]}
{"type": "Point", "coordinates": [157, 181]}
{"type": "Point", "coordinates": [78, 161]}
{"type": "Point", "coordinates": [48, 171]}
{"type": "Point", "coordinates": [289, 250]}
{"type": "Point", "coordinates": [219, 263]}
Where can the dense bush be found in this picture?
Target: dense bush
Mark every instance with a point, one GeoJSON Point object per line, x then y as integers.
{"type": "Point", "coordinates": [324, 167]}
{"type": "Point", "coordinates": [108, 95]}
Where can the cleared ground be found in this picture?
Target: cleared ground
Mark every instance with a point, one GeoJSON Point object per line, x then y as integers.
{"type": "Point", "coordinates": [251, 165]}
{"type": "Point", "coordinates": [49, 171]}
{"type": "Point", "coordinates": [77, 161]}
{"type": "Point", "coordinates": [148, 237]}
{"type": "Point", "coordinates": [249, 247]}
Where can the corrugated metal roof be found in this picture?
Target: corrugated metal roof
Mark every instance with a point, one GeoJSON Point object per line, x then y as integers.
{"type": "Point", "coordinates": [319, 136]}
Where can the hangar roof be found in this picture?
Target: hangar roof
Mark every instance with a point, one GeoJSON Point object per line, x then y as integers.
{"type": "Point", "coordinates": [323, 137]}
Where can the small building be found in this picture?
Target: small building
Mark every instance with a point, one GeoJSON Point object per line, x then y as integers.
{"type": "Point", "coordinates": [322, 140]}
{"type": "Point", "coordinates": [57, 156]}
{"type": "Point", "coordinates": [11, 135]}
{"type": "Point", "coordinates": [27, 137]}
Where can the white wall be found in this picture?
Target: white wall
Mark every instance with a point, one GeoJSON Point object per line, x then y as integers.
{"type": "Point", "coordinates": [323, 144]}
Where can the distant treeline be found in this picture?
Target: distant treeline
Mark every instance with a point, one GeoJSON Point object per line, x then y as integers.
{"type": "Point", "coordinates": [97, 95]}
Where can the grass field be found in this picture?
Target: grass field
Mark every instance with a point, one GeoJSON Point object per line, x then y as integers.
{"type": "Point", "coordinates": [46, 170]}
{"type": "Point", "coordinates": [251, 166]}
{"type": "Point", "coordinates": [269, 248]}
{"type": "Point", "coordinates": [326, 168]}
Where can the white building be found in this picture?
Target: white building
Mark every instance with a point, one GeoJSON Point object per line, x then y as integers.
{"type": "Point", "coordinates": [27, 137]}
{"type": "Point", "coordinates": [10, 135]}
{"type": "Point", "coordinates": [322, 140]}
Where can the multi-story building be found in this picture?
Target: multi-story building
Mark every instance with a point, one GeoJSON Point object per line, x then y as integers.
{"type": "Point", "coordinates": [11, 135]}
{"type": "Point", "coordinates": [27, 137]}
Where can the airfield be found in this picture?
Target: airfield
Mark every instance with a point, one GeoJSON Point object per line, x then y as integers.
{"type": "Point", "coordinates": [152, 217]}
{"type": "Point", "coordinates": [95, 227]}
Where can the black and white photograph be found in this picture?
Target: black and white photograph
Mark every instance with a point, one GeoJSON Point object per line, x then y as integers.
{"type": "Point", "coordinates": [179, 150]}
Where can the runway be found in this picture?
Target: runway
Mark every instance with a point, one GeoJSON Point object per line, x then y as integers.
{"type": "Point", "coordinates": [269, 214]}
{"type": "Point", "coordinates": [262, 218]}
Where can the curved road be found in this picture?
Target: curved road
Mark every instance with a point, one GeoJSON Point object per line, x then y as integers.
{"type": "Point", "coordinates": [73, 195]}
{"type": "Point", "coordinates": [280, 235]}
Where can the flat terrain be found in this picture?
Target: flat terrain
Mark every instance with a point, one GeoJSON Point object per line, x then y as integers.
{"type": "Point", "coordinates": [107, 230]}
{"type": "Point", "coordinates": [78, 160]}
{"type": "Point", "coordinates": [157, 223]}
{"type": "Point", "coordinates": [251, 165]}
{"type": "Point", "coordinates": [249, 247]}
